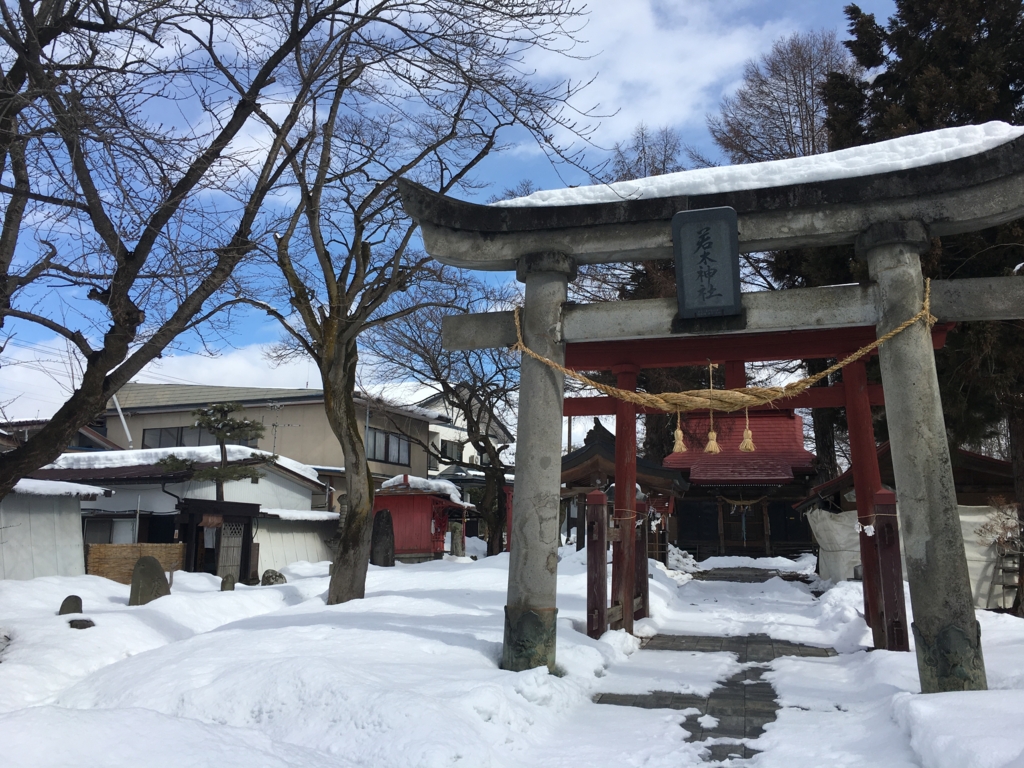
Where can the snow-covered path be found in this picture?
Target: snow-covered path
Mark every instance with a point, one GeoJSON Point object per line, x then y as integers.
{"type": "Point", "coordinates": [271, 676]}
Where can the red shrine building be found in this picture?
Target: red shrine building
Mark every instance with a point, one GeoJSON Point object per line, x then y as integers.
{"type": "Point", "coordinates": [741, 503]}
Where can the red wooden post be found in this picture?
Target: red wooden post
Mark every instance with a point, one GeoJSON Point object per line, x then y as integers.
{"type": "Point", "coordinates": [890, 567]}
{"type": "Point", "coordinates": [867, 481]}
{"type": "Point", "coordinates": [735, 374]}
{"type": "Point", "coordinates": [623, 576]}
{"type": "Point", "coordinates": [597, 563]}
{"type": "Point", "coordinates": [581, 520]}
{"type": "Point", "coordinates": [642, 588]}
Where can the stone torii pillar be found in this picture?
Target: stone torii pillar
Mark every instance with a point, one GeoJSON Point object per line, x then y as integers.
{"type": "Point", "coordinates": [530, 610]}
{"type": "Point", "coordinates": [982, 186]}
{"type": "Point", "coordinates": [946, 633]}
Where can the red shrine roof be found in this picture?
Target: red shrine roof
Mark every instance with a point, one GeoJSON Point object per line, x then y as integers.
{"type": "Point", "coordinates": [778, 438]}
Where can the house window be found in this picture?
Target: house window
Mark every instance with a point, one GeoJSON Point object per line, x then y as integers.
{"type": "Point", "coordinates": [387, 447]}
{"type": "Point", "coordinates": [185, 437]}
{"type": "Point", "coordinates": [451, 449]}
{"type": "Point", "coordinates": [109, 531]}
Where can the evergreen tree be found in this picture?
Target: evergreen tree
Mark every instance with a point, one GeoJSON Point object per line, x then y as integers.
{"type": "Point", "coordinates": [219, 420]}
{"type": "Point", "coordinates": [938, 64]}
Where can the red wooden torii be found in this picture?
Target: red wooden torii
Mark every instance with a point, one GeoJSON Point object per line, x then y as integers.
{"type": "Point", "coordinates": [884, 604]}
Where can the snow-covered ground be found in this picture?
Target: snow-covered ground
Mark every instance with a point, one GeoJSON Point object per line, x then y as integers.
{"type": "Point", "coordinates": [271, 676]}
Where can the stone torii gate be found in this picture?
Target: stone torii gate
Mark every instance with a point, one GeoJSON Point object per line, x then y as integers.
{"type": "Point", "coordinates": [889, 216]}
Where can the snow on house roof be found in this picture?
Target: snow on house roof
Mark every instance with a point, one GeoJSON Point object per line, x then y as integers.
{"type": "Point", "coordinates": [435, 486]}
{"type": "Point", "coordinates": [314, 515]}
{"type": "Point", "coordinates": [139, 396]}
{"type": "Point", "coordinates": [149, 456]}
{"type": "Point", "coordinates": [30, 487]}
{"type": "Point", "coordinates": [883, 157]}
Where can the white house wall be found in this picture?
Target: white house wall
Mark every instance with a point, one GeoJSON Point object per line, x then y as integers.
{"type": "Point", "coordinates": [272, 491]}
{"type": "Point", "coordinates": [40, 536]}
{"type": "Point", "coordinates": [147, 498]}
{"type": "Point", "coordinates": [283, 542]}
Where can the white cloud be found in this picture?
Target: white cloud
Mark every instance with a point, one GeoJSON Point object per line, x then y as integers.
{"type": "Point", "coordinates": [663, 63]}
{"type": "Point", "coordinates": [36, 380]}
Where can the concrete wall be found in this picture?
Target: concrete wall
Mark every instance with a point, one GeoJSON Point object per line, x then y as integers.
{"type": "Point", "coordinates": [40, 536]}
{"type": "Point", "coordinates": [283, 542]}
{"type": "Point", "coordinates": [303, 434]}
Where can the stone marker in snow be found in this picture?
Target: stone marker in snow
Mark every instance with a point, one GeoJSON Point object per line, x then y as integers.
{"type": "Point", "coordinates": [148, 581]}
{"type": "Point", "coordinates": [71, 604]}
{"type": "Point", "coordinates": [272, 577]}
{"type": "Point", "coordinates": [81, 623]}
{"type": "Point", "coordinates": [227, 584]}
{"type": "Point", "coordinates": [382, 542]}
{"type": "Point", "coordinates": [458, 542]}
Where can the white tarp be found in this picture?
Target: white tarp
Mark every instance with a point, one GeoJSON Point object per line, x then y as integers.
{"type": "Point", "coordinates": [983, 561]}
{"type": "Point", "coordinates": [838, 543]}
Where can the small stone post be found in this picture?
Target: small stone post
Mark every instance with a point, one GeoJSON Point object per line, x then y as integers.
{"type": "Point", "coordinates": [533, 565]}
{"type": "Point", "coordinates": [382, 539]}
{"type": "Point", "coordinates": [456, 529]}
{"type": "Point", "coordinates": [947, 635]}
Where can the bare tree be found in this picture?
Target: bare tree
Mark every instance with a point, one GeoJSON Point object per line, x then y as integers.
{"type": "Point", "coordinates": [121, 230]}
{"type": "Point", "coordinates": [647, 153]}
{"type": "Point", "coordinates": [777, 113]}
{"type": "Point", "coordinates": [418, 90]}
{"type": "Point", "coordinates": [478, 386]}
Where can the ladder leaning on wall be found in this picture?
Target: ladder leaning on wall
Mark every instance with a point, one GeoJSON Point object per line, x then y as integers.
{"type": "Point", "coordinates": [1005, 573]}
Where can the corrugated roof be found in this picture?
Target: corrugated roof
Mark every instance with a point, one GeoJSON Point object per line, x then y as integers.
{"type": "Point", "coordinates": [137, 395]}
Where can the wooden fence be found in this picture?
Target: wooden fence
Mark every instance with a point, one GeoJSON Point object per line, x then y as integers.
{"type": "Point", "coordinates": [116, 561]}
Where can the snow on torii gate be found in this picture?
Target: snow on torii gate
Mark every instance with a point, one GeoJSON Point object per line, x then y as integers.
{"type": "Point", "coordinates": [915, 192]}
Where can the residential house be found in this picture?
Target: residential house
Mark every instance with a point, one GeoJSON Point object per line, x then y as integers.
{"type": "Point", "coordinates": [88, 438]}
{"type": "Point", "coordinates": [160, 416]}
{"type": "Point", "coordinates": [450, 438]}
{"type": "Point", "coordinates": [264, 522]}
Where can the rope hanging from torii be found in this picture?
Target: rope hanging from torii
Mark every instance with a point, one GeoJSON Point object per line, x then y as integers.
{"type": "Point", "coordinates": [725, 400]}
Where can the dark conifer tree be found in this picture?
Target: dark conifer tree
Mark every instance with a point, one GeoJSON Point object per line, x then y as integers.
{"type": "Point", "coordinates": [939, 64]}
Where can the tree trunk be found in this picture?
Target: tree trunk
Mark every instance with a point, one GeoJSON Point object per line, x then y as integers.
{"type": "Point", "coordinates": [53, 439]}
{"type": "Point", "coordinates": [348, 580]}
{"type": "Point", "coordinates": [496, 531]}
{"type": "Point", "coordinates": [1015, 422]}
{"type": "Point", "coordinates": [223, 465]}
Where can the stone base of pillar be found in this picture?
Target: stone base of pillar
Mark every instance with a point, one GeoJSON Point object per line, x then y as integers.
{"type": "Point", "coordinates": [529, 639]}
{"type": "Point", "coordinates": [950, 660]}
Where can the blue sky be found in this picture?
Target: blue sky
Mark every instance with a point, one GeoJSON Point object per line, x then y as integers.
{"type": "Point", "coordinates": [663, 62]}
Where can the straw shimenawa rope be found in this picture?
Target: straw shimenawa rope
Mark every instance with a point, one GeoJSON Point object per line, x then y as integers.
{"type": "Point", "coordinates": [725, 400]}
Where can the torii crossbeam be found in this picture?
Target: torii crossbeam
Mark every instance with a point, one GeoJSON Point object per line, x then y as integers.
{"type": "Point", "coordinates": [890, 216]}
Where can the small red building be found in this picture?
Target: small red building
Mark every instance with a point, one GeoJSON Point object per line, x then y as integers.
{"type": "Point", "coordinates": [742, 503]}
{"type": "Point", "coordinates": [420, 512]}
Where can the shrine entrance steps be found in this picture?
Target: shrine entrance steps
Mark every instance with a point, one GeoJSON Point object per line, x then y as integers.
{"type": "Point", "coordinates": [749, 575]}
{"type": "Point", "coordinates": [743, 705]}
